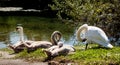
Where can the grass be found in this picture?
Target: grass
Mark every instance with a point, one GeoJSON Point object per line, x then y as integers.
{"type": "Point", "coordinates": [97, 56]}
{"type": "Point", "coordinates": [91, 56]}
{"type": "Point", "coordinates": [37, 55]}
{"type": "Point", "coordinates": [6, 49]}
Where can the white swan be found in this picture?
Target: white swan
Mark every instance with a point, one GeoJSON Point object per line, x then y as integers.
{"type": "Point", "coordinates": [59, 49]}
{"type": "Point", "coordinates": [17, 47]}
{"type": "Point", "coordinates": [55, 38]}
{"type": "Point", "coordinates": [94, 34]}
{"type": "Point", "coordinates": [33, 44]}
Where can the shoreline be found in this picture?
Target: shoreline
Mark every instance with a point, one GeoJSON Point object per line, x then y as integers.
{"type": "Point", "coordinates": [8, 59]}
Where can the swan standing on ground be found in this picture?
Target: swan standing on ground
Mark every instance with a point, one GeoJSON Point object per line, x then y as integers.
{"type": "Point", "coordinates": [20, 45]}
{"type": "Point", "coordinates": [94, 34]}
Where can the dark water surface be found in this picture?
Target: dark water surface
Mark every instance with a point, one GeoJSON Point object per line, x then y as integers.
{"type": "Point", "coordinates": [35, 28]}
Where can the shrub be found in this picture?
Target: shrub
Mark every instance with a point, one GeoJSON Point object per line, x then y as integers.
{"type": "Point", "coordinates": [101, 13]}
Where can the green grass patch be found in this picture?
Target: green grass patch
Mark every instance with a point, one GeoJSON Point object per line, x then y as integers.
{"type": "Point", "coordinates": [96, 56]}
{"type": "Point", "coordinates": [37, 55]}
{"type": "Point", "coordinates": [91, 56]}
{"type": "Point", "coordinates": [7, 50]}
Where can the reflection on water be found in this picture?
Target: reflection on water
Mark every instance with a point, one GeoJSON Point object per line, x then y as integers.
{"type": "Point", "coordinates": [35, 28]}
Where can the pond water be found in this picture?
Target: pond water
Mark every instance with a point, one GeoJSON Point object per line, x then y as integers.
{"type": "Point", "coordinates": [35, 28]}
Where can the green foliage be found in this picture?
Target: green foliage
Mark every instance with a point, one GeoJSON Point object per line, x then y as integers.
{"type": "Point", "coordinates": [101, 13]}
{"type": "Point", "coordinates": [86, 10]}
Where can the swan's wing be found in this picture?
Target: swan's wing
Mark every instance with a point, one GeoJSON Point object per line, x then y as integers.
{"type": "Point", "coordinates": [96, 33]}
{"type": "Point", "coordinates": [69, 47]}
{"type": "Point", "coordinates": [17, 44]}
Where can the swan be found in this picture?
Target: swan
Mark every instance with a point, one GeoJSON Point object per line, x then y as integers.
{"type": "Point", "coordinates": [55, 38]}
{"type": "Point", "coordinates": [17, 47]}
{"type": "Point", "coordinates": [94, 34]}
{"type": "Point", "coordinates": [21, 44]}
{"type": "Point", "coordinates": [59, 49]}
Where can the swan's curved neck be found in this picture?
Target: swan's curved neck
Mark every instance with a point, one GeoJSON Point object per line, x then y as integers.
{"type": "Point", "coordinates": [21, 35]}
{"type": "Point", "coordinates": [80, 29]}
{"type": "Point", "coordinates": [55, 37]}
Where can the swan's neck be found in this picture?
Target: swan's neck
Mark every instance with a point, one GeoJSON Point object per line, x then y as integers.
{"type": "Point", "coordinates": [80, 29]}
{"type": "Point", "coordinates": [21, 35]}
{"type": "Point", "coordinates": [55, 38]}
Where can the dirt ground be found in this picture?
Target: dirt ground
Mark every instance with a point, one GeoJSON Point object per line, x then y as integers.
{"type": "Point", "coordinates": [7, 59]}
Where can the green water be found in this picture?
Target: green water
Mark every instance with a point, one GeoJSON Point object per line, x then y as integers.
{"type": "Point", "coordinates": [35, 28]}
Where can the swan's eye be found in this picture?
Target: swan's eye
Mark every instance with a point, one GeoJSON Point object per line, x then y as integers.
{"type": "Point", "coordinates": [17, 28]}
{"type": "Point", "coordinates": [84, 40]}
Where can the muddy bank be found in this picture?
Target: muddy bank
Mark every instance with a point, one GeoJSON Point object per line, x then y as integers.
{"type": "Point", "coordinates": [8, 59]}
{"type": "Point", "coordinates": [19, 62]}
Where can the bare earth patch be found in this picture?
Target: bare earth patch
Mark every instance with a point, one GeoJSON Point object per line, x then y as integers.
{"type": "Point", "coordinates": [7, 59]}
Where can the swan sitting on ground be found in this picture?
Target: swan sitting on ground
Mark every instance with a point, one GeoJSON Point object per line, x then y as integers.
{"type": "Point", "coordinates": [59, 49]}
{"type": "Point", "coordinates": [55, 38]}
{"type": "Point", "coordinates": [17, 47]}
{"type": "Point", "coordinates": [20, 45]}
{"type": "Point", "coordinates": [94, 34]}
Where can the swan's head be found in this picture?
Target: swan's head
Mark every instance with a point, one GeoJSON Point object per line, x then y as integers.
{"type": "Point", "coordinates": [19, 28]}
{"type": "Point", "coordinates": [60, 44]}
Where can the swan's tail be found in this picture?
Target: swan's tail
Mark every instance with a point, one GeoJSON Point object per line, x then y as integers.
{"type": "Point", "coordinates": [55, 37]}
{"type": "Point", "coordinates": [109, 46]}
{"type": "Point", "coordinates": [80, 29]}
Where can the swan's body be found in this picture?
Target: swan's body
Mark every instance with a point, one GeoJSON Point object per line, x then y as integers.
{"type": "Point", "coordinates": [94, 34]}
{"type": "Point", "coordinates": [17, 47]}
{"type": "Point", "coordinates": [55, 38]}
{"type": "Point", "coordinates": [20, 45]}
{"type": "Point", "coordinates": [59, 49]}
{"type": "Point", "coordinates": [37, 44]}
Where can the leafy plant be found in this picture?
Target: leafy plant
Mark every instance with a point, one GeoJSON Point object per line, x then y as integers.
{"type": "Point", "coordinates": [101, 13]}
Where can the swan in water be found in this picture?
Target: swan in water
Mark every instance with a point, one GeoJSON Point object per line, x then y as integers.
{"type": "Point", "coordinates": [94, 34]}
{"type": "Point", "coordinates": [20, 45]}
